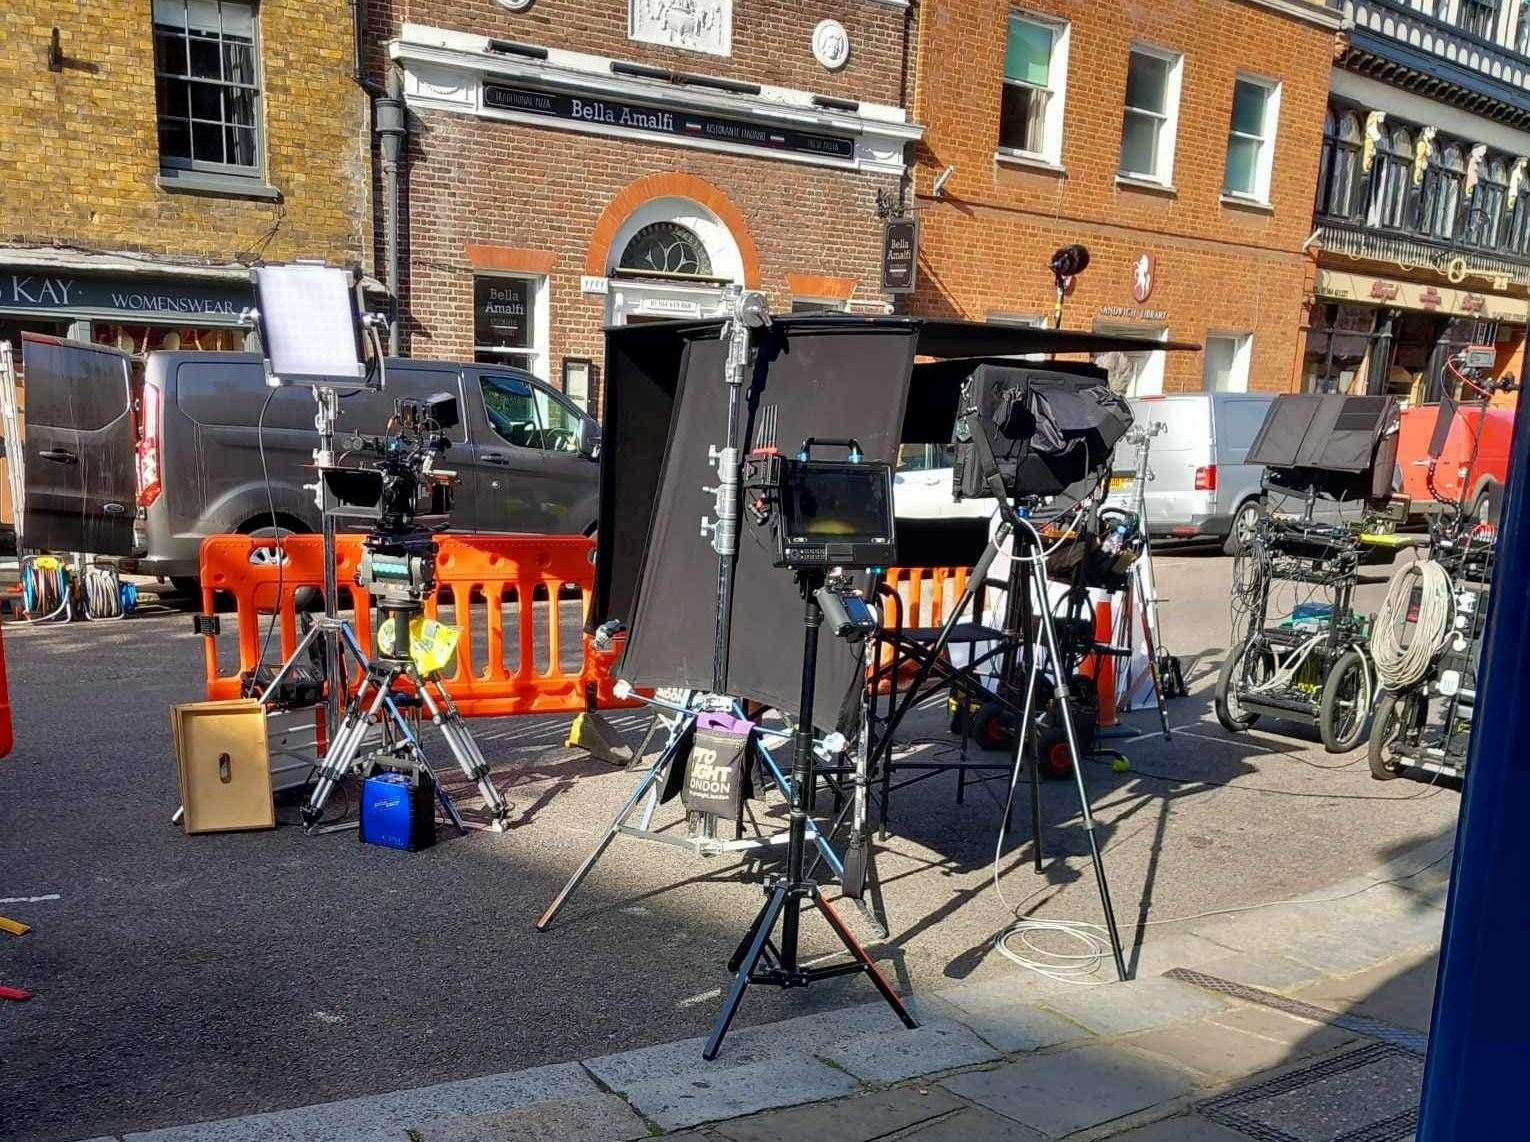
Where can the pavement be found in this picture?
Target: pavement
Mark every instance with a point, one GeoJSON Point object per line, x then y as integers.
{"type": "Point", "coordinates": [1297, 1023]}
{"type": "Point", "coordinates": [190, 979]}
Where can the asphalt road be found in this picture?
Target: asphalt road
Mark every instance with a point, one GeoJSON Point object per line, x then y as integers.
{"type": "Point", "coordinates": [181, 978]}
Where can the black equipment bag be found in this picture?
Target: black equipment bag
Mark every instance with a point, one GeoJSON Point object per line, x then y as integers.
{"type": "Point", "coordinates": [718, 769]}
{"type": "Point", "coordinates": [1049, 428]}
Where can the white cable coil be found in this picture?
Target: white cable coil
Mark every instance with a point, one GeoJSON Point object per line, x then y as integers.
{"type": "Point", "coordinates": [1401, 665]}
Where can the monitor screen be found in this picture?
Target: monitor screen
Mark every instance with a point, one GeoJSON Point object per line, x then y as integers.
{"type": "Point", "coordinates": [836, 501]}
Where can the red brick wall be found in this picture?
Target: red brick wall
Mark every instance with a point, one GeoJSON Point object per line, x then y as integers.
{"type": "Point", "coordinates": [985, 244]}
{"type": "Point", "coordinates": [478, 182]}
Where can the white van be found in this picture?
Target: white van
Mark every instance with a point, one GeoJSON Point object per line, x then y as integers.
{"type": "Point", "coordinates": [1198, 484]}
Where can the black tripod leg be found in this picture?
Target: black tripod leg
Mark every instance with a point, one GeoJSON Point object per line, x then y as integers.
{"type": "Point", "coordinates": [741, 952]}
{"type": "Point", "coordinates": [868, 965]}
{"type": "Point", "coordinates": [763, 925]}
{"type": "Point", "coordinates": [1036, 808]}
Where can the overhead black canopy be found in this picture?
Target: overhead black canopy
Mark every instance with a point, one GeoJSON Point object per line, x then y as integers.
{"type": "Point", "coordinates": [939, 337]}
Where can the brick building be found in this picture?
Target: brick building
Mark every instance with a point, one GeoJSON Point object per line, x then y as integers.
{"type": "Point", "coordinates": [1178, 141]}
{"type": "Point", "coordinates": [148, 146]}
{"type": "Point", "coordinates": [573, 163]}
{"type": "Point", "coordinates": [1421, 244]}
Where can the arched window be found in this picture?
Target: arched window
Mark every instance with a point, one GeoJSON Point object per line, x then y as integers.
{"type": "Point", "coordinates": [1339, 177]}
{"type": "Point", "coordinates": [1487, 221]}
{"type": "Point", "coordinates": [1391, 177]}
{"type": "Point", "coordinates": [667, 248]}
{"type": "Point", "coordinates": [1442, 191]}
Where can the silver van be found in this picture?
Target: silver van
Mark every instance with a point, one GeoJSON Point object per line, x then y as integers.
{"type": "Point", "coordinates": [1198, 484]}
{"type": "Point", "coordinates": [143, 461]}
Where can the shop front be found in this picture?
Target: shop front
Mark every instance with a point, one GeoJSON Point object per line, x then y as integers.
{"type": "Point", "coordinates": [1378, 335]}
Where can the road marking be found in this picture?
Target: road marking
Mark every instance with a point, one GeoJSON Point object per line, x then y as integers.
{"type": "Point", "coordinates": [30, 899]}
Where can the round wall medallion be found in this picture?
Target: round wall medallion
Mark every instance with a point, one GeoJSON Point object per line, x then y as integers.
{"type": "Point", "coordinates": [831, 44]}
{"type": "Point", "coordinates": [516, 5]}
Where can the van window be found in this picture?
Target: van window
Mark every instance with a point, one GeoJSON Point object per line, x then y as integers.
{"type": "Point", "coordinates": [512, 410]}
{"type": "Point", "coordinates": [560, 424]}
{"type": "Point", "coordinates": [1238, 423]}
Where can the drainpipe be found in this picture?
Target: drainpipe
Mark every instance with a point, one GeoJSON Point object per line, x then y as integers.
{"type": "Point", "coordinates": [390, 123]}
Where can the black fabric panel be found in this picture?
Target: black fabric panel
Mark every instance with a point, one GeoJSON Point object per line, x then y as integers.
{"type": "Point", "coordinates": [643, 369]}
{"type": "Point", "coordinates": [826, 378]}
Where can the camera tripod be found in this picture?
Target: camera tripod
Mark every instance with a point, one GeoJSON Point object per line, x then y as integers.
{"type": "Point", "coordinates": [759, 958]}
{"type": "Point", "coordinates": [380, 699]}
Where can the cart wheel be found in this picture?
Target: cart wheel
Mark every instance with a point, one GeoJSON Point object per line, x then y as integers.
{"type": "Point", "coordinates": [1344, 706]}
{"type": "Point", "coordinates": [1395, 715]}
{"type": "Point", "coordinates": [992, 729]}
{"type": "Point", "coordinates": [1053, 758]}
{"type": "Point", "coordinates": [1235, 675]}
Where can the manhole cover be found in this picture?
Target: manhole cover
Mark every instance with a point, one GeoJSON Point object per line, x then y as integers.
{"type": "Point", "coordinates": [1366, 1095]}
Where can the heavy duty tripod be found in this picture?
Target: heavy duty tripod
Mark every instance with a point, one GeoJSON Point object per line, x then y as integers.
{"type": "Point", "coordinates": [760, 958]}
{"type": "Point", "coordinates": [380, 700]}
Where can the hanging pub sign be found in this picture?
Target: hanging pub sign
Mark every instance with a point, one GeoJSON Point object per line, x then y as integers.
{"type": "Point", "coordinates": [602, 114]}
{"type": "Point", "coordinates": [502, 312]}
{"type": "Point", "coordinates": [900, 255]}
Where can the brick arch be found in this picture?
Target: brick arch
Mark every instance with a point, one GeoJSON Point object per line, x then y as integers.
{"type": "Point", "coordinates": [677, 184]}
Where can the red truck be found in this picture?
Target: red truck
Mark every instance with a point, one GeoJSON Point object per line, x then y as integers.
{"type": "Point", "coordinates": [1482, 476]}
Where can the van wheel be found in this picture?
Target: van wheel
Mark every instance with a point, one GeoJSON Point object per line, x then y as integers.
{"type": "Point", "coordinates": [309, 599]}
{"type": "Point", "coordinates": [1241, 534]}
{"type": "Point", "coordinates": [1485, 506]}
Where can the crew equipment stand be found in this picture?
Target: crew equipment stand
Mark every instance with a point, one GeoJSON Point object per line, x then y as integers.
{"type": "Point", "coordinates": [759, 959]}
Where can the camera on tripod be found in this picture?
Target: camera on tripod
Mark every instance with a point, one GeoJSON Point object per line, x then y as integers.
{"type": "Point", "coordinates": [409, 498]}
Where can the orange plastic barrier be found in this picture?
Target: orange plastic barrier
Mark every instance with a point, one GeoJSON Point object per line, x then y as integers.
{"type": "Point", "coordinates": [1102, 667]}
{"type": "Point", "coordinates": [507, 595]}
{"type": "Point", "coordinates": [6, 740]}
{"type": "Point", "coordinates": [914, 598]}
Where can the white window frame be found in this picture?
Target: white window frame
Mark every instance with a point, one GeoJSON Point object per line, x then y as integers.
{"type": "Point", "coordinates": [1264, 167]}
{"type": "Point", "coordinates": [541, 327]}
{"type": "Point", "coordinates": [1242, 360]}
{"type": "Point", "coordinates": [1149, 382]}
{"type": "Point", "coordinates": [1168, 128]}
{"type": "Point", "coordinates": [1050, 153]}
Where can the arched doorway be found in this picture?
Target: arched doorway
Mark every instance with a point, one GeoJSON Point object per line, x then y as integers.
{"type": "Point", "coordinates": [671, 257]}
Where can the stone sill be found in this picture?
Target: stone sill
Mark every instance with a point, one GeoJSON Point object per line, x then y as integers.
{"type": "Point", "coordinates": [1029, 162]}
{"type": "Point", "coordinates": [222, 185]}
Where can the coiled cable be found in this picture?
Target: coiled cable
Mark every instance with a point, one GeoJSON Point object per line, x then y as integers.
{"type": "Point", "coordinates": [1400, 665]}
{"type": "Point", "coordinates": [44, 589]}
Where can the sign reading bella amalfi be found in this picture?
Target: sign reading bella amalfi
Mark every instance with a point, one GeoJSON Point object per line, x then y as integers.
{"type": "Point", "coordinates": [608, 113]}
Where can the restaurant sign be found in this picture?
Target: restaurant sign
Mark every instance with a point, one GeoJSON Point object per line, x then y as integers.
{"type": "Point", "coordinates": [603, 114]}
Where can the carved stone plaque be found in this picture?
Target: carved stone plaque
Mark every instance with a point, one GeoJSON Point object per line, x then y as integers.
{"type": "Point", "coordinates": [695, 25]}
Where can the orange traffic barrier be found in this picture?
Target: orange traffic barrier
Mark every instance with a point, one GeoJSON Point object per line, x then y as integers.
{"type": "Point", "coordinates": [913, 598]}
{"type": "Point", "coordinates": [1102, 667]}
{"type": "Point", "coordinates": [6, 740]}
{"type": "Point", "coordinates": [508, 597]}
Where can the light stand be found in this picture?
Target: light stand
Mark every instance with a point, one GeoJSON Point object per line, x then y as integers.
{"type": "Point", "coordinates": [746, 310]}
{"type": "Point", "coordinates": [759, 959]}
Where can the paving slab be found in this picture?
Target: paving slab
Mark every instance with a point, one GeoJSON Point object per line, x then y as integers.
{"type": "Point", "coordinates": [801, 1036]}
{"type": "Point", "coordinates": [892, 1056]}
{"type": "Point", "coordinates": [387, 1116]}
{"type": "Point", "coordinates": [859, 1118]}
{"type": "Point", "coordinates": [1400, 991]}
{"type": "Point", "coordinates": [1213, 1049]}
{"type": "Point", "coordinates": [707, 1096]}
{"type": "Point", "coordinates": [1185, 1128]}
{"type": "Point", "coordinates": [1059, 1092]}
{"type": "Point", "coordinates": [1300, 1037]}
{"type": "Point", "coordinates": [591, 1118]}
{"type": "Point", "coordinates": [1155, 957]}
{"type": "Point", "coordinates": [1260, 969]}
{"type": "Point", "coordinates": [973, 1125]}
{"type": "Point", "coordinates": [1120, 1008]}
{"type": "Point", "coordinates": [1011, 1026]}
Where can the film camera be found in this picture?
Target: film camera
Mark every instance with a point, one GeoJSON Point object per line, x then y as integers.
{"type": "Point", "coordinates": [406, 495]}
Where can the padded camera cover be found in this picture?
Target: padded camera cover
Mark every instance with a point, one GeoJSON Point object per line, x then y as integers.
{"type": "Point", "coordinates": [1050, 428]}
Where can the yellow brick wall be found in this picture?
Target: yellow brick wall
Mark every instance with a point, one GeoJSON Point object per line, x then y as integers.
{"type": "Point", "coordinates": [79, 153]}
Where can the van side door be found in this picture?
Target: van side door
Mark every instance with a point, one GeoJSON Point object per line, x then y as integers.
{"type": "Point", "coordinates": [573, 475]}
{"type": "Point", "coordinates": [81, 484]}
{"type": "Point", "coordinates": [502, 418]}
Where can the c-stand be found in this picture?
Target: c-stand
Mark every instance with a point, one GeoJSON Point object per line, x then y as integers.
{"type": "Point", "coordinates": [787, 891]}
